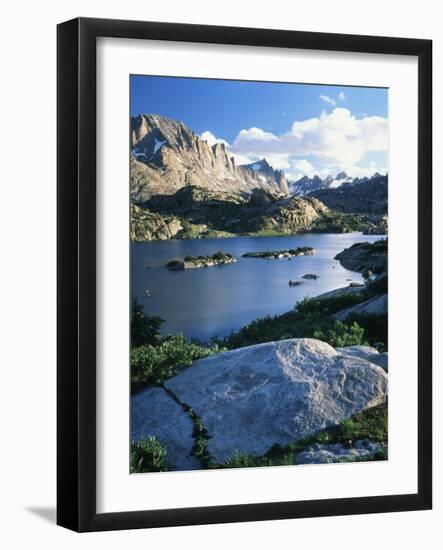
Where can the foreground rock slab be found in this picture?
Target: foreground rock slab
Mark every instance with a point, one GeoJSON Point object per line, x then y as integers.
{"type": "Point", "coordinates": [252, 398]}
{"type": "Point", "coordinates": [155, 413]}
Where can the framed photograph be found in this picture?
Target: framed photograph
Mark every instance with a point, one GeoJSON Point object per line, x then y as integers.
{"type": "Point", "coordinates": [231, 205]}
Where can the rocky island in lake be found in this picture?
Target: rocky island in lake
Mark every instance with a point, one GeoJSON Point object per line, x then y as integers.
{"type": "Point", "coordinates": [192, 262]}
{"type": "Point", "coordinates": [278, 254]}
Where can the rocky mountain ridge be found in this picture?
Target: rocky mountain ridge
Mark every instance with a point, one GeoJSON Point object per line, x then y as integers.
{"type": "Point", "coordinates": [166, 155]}
{"type": "Point", "coordinates": [306, 184]}
{"type": "Point", "coordinates": [369, 196]}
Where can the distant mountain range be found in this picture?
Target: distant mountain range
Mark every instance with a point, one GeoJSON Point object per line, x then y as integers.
{"type": "Point", "coordinates": [362, 196]}
{"type": "Point", "coordinates": [306, 185]}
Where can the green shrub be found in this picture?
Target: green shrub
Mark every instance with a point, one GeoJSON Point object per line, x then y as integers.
{"type": "Point", "coordinates": [340, 335]}
{"type": "Point", "coordinates": [153, 364]}
{"type": "Point", "coordinates": [375, 328]}
{"type": "Point", "coordinates": [371, 423]}
{"type": "Point", "coordinates": [145, 329]}
{"type": "Point", "coordinates": [148, 455]}
{"type": "Point", "coordinates": [309, 319]}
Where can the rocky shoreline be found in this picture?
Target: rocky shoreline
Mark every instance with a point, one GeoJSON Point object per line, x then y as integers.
{"type": "Point", "coordinates": [365, 257]}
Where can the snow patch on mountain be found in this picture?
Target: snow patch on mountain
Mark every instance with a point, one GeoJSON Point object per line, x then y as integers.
{"type": "Point", "coordinates": [158, 144]}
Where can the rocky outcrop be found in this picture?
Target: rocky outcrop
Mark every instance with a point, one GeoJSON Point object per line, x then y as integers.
{"type": "Point", "coordinates": [167, 155]}
{"type": "Point", "coordinates": [376, 306]}
{"type": "Point", "coordinates": [263, 169]}
{"type": "Point", "coordinates": [364, 257]}
{"type": "Point", "coordinates": [363, 449]}
{"type": "Point", "coordinates": [149, 226]}
{"type": "Point", "coordinates": [208, 211]}
{"type": "Point", "coordinates": [252, 398]}
{"type": "Point", "coordinates": [344, 291]}
{"type": "Point", "coordinates": [378, 225]}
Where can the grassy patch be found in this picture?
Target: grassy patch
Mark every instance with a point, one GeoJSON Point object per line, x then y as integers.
{"type": "Point", "coordinates": [148, 455]}
{"type": "Point", "coordinates": [371, 424]}
{"type": "Point", "coordinates": [153, 364]}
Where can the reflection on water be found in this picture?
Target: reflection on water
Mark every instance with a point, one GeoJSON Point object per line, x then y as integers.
{"type": "Point", "coordinates": [202, 303]}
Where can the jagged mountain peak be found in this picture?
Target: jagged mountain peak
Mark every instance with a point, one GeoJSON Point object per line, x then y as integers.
{"type": "Point", "coordinates": [341, 176]}
{"type": "Point", "coordinates": [167, 155]}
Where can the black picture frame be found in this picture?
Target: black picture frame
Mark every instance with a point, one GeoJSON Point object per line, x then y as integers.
{"type": "Point", "coordinates": [76, 281]}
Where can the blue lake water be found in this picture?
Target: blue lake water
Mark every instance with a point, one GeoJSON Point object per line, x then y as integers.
{"type": "Point", "coordinates": [202, 303]}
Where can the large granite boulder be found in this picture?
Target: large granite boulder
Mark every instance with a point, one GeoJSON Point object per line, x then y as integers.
{"type": "Point", "coordinates": [252, 398]}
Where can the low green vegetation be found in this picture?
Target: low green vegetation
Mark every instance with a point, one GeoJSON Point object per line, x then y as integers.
{"type": "Point", "coordinates": [155, 358]}
{"type": "Point", "coordinates": [340, 222]}
{"type": "Point", "coordinates": [311, 318]}
{"type": "Point", "coordinates": [152, 364]}
{"type": "Point", "coordinates": [148, 455]}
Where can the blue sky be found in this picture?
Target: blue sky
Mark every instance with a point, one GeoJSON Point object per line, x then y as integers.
{"type": "Point", "coordinates": [301, 128]}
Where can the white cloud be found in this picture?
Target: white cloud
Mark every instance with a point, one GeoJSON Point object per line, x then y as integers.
{"type": "Point", "coordinates": [243, 159]}
{"type": "Point", "coordinates": [328, 99]}
{"type": "Point", "coordinates": [303, 166]}
{"type": "Point", "coordinates": [336, 139]}
{"type": "Point", "coordinates": [255, 134]}
{"type": "Point", "coordinates": [341, 96]}
{"type": "Point", "coordinates": [364, 171]}
{"type": "Point", "coordinates": [211, 139]}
